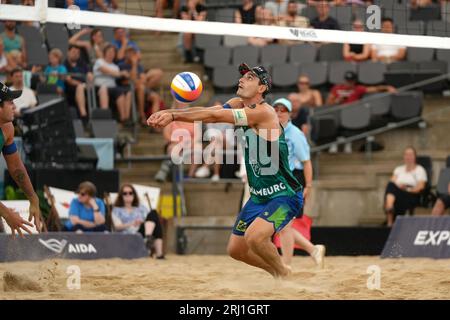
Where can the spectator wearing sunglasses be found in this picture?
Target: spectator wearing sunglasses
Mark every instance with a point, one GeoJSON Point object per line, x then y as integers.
{"type": "Point", "coordinates": [131, 217]}
{"type": "Point", "coordinates": [86, 212]}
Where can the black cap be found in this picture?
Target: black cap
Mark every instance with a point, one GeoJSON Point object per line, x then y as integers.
{"type": "Point", "coordinates": [8, 95]}
{"type": "Point", "coordinates": [260, 72]}
{"type": "Point", "coordinates": [350, 76]}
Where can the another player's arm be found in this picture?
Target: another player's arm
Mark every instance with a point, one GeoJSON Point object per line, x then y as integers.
{"type": "Point", "coordinates": [19, 173]}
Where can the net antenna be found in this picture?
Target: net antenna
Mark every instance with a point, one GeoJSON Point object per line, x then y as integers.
{"type": "Point", "coordinates": [41, 12]}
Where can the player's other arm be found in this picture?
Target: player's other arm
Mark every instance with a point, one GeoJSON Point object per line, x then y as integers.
{"type": "Point", "coordinates": [19, 173]}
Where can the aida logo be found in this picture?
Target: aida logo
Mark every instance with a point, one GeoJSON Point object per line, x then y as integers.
{"type": "Point", "coordinates": [59, 246]}
{"type": "Point", "coordinates": [54, 245]}
{"type": "Point", "coordinates": [303, 33]}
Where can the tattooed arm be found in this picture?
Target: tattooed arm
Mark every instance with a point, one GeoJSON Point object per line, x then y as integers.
{"type": "Point", "coordinates": [19, 174]}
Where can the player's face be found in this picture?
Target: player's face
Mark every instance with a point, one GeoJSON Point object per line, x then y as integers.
{"type": "Point", "coordinates": [7, 111]}
{"type": "Point", "coordinates": [248, 86]}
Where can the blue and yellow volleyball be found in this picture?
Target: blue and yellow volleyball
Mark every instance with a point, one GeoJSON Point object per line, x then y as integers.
{"type": "Point", "coordinates": [186, 87]}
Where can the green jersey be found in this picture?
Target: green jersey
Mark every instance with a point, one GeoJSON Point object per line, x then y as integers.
{"type": "Point", "coordinates": [267, 166]}
{"type": "Point", "coordinates": [2, 139]}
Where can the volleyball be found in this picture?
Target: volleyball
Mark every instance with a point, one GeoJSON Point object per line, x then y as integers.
{"type": "Point", "coordinates": [186, 87]}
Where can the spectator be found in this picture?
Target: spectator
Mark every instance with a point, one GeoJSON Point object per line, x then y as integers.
{"type": "Point", "coordinates": [246, 13]}
{"type": "Point", "coordinates": [323, 20]}
{"type": "Point", "coordinates": [356, 52]}
{"type": "Point", "coordinates": [84, 5]}
{"type": "Point", "coordinates": [305, 98]}
{"type": "Point", "coordinates": [153, 79]}
{"type": "Point", "coordinates": [350, 92]}
{"type": "Point", "coordinates": [415, 4]}
{"type": "Point", "coordinates": [196, 11]}
{"type": "Point", "coordinates": [105, 74]}
{"type": "Point", "coordinates": [34, 24]}
{"type": "Point", "coordinates": [56, 72]}
{"type": "Point", "coordinates": [94, 47]}
{"type": "Point", "coordinates": [13, 41]}
{"type": "Point", "coordinates": [161, 4]}
{"type": "Point", "coordinates": [263, 17]}
{"type": "Point", "coordinates": [76, 80]}
{"type": "Point", "coordinates": [15, 60]}
{"type": "Point", "coordinates": [106, 6]}
{"type": "Point", "coordinates": [27, 99]}
{"type": "Point", "coordinates": [404, 188]}
{"type": "Point", "coordinates": [130, 217]}
{"type": "Point", "coordinates": [442, 203]}
{"type": "Point", "coordinates": [122, 42]}
{"type": "Point", "coordinates": [86, 212]}
{"type": "Point", "coordinates": [292, 19]}
{"type": "Point", "coordinates": [182, 140]}
{"type": "Point", "coordinates": [278, 8]}
{"type": "Point", "coordinates": [3, 62]}
{"type": "Point", "coordinates": [384, 52]}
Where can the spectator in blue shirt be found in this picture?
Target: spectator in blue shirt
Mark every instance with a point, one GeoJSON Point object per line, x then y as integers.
{"type": "Point", "coordinates": [86, 212]}
{"type": "Point", "coordinates": [56, 72]}
{"type": "Point", "coordinates": [300, 164]}
{"type": "Point", "coordinates": [122, 42]}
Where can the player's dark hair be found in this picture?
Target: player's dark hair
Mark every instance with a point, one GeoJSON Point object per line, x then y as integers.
{"type": "Point", "coordinates": [14, 71]}
{"type": "Point", "coordinates": [119, 201]}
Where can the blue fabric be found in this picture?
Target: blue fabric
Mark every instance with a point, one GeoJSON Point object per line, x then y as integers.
{"type": "Point", "coordinates": [226, 106]}
{"type": "Point", "coordinates": [279, 211]}
{"type": "Point", "coordinates": [12, 148]}
{"type": "Point", "coordinates": [118, 45]}
{"type": "Point", "coordinates": [78, 209]}
{"type": "Point", "coordinates": [54, 79]}
{"type": "Point", "coordinates": [125, 217]}
{"type": "Point", "coordinates": [298, 146]}
{"type": "Point", "coordinates": [82, 4]}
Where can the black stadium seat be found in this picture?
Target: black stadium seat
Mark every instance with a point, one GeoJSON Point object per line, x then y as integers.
{"type": "Point", "coordinates": [420, 54]}
{"type": "Point", "coordinates": [337, 70]}
{"type": "Point", "coordinates": [225, 78]}
{"type": "Point", "coordinates": [355, 117]}
{"type": "Point", "coordinates": [217, 56]}
{"type": "Point", "coordinates": [284, 75]}
{"type": "Point", "coordinates": [443, 181]}
{"type": "Point", "coordinates": [331, 52]}
{"type": "Point", "coordinates": [371, 73]}
{"type": "Point", "coordinates": [302, 53]}
{"type": "Point", "coordinates": [274, 54]}
{"type": "Point", "coordinates": [317, 72]}
{"type": "Point", "coordinates": [248, 54]}
{"type": "Point", "coordinates": [406, 105]}
{"type": "Point", "coordinates": [57, 36]}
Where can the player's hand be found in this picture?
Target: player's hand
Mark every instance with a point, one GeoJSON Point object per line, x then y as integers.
{"type": "Point", "coordinates": [35, 213]}
{"type": "Point", "coordinates": [160, 119]}
{"type": "Point", "coordinates": [306, 192]}
{"type": "Point", "coordinates": [16, 222]}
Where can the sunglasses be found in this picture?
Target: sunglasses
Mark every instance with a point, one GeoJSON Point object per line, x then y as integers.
{"type": "Point", "coordinates": [83, 194]}
{"type": "Point", "coordinates": [280, 109]}
{"type": "Point", "coordinates": [127, 193]}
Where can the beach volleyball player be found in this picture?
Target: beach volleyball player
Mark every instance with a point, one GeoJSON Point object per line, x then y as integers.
{"type": "Point", "coordinates": [276, 195]}
{"type": "Point", "coordinates": [15, 166]}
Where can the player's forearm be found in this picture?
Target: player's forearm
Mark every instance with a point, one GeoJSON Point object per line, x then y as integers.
{"type": "Point", "coordinates": [20, 176]}
{"type": "Point", "coordinates": [206, 115]}
{"type": "Point", "coordinates": [308, 172]}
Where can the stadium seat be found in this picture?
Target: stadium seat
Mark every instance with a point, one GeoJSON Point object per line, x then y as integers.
{"type": "Point", "coordinates": [203, 41]}
{"type": "Point", "coordinates": [406, 105]}
{"type": "Point", "coordinates": [103, 128]}
{"type": "Point", "coordinates": [443, 181]}
{"type": "Point", "coordinates": [443, 55]}
{"type": "Point", "coordinates": [108, 33]}
{"type": "Point", "coordinates": [37, 51]}
{"type": "Point", "coordinates": [302, 53]}
{"type": "Point", "coordinates": [225, 78]}
{"type": "Point", "coordinates": [330, 52]}
{"type": "Point", "coordinates": [420, 54]}
{"type": "Point", "coordinates": [57, 36]}
{"type": "Point", "coordinates": [412, 28]}
{"type": "Point", "coordinates": [428, 13]}
{"type": "Point", "coordinates": [224, 15]}
{"type": "Point", "coordinates": [101, 114]}
{"type": "Point", "coordinates": [217, 56]}
{"type": "Point", "coordinates": [317, 72]}
{"type": "Point", "coordinates": [309, 12]}
{"type": "Point", "coordinates": [438, 28]}
{"type": "Point", "coordinates": [427, 164]}
{"type": "Point", "coordinates": [437, 66]}
{"type": "Point", "coordinates": [284, 75]}
{"type": "Point", "coordinates": [78, 127]}
{"type": "Point", "coordinates": [234, 41]}
{"type": "Point", "coordinates": [46, 92]}
{"type": "Point", "coordinates": [274, 54]}
{"type": "Point", "coordinates": [355, 117]}
{"type": "Point", "coordinates": [247, 54]}
{"type": "Point", "coordinates": [338, 69]}
{"type": "Point", "coordinates": [343, 15]}
{"type": "Point", "coordinates": [371, 73]}
{"type": "Point", "coordinates": [447, 163]}
{"type": "Point", "coordinates": [406, 66]}
{"type": "Point", "coordinates": [380, 104]}
{"type": "Point", "coordinates": [324, 129]}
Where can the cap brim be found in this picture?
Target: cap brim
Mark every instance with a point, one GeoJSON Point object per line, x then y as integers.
{"type": "Point", "coordinates": [244, 68]}
{"type": "Point", "coordinates": [13, 95]}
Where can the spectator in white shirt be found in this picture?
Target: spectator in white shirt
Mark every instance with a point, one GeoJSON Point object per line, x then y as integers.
{"type": "Point", "coordinates": [27, 98]}
{"type": "Point", "coordinates": [404, 188]}
{"type": "Point", "coordinates": [387, 53]}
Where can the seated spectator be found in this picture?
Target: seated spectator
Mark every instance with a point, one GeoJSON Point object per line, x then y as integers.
{"type": "Point", "coordinates": [27, 98]}
{"type": "Point", "coordinates": [415, 4]}
{"type": "Point", "coordinates": [160, 5]}
{"type": "Point", "coordinates": [13, 41]}
{"type": "Point", "coordinates": [263, 17]}
{"type": "Point", "coordinates": [350, 92]}
{"type": "Point", "coordinates": [93, 48]}
{"type": "Point", "coordinates": [130, 217]}
{"type": "Point", "coordinates": [305, 98]}
{"type": "Point", "coordinates": [291, 18]}
{"type": "Point", "coordinates": [15, 60]}
{"type": "Point", "coordinates": [442, 203]}
{"type": "Point", "coordinates": [323, 20]}
{"type": "Point", "coordinates": [122, 42]}
{"type": "Point", "coordinates": [86, 212]}
{"type": "Point", "coordinates": [3, 62]}
{"type": "Point", "coordinates": [106, 6]}
{"type": "Point", "coordinates": [356, 52]}
{"type": "Point", "coordinates": [55, 71]}
{"type": "Point", "coordinates": [84, 5]}
{"type": "Point", "coordinates": [278, 8]}
{"type": "Point", "coordinates": [196, 11]}
{"type": "Point", "coordinates": [384, 52]}
{"type": "Point", "coordinates": [404, 188]}
{"type": "Point", "coordinates": [78, 76]}
{"type": "Point", "coordinates": [246, 13]}
{"type": "Point", "coordinates": [182, 140]}
{"type": "Point", "coordinates": [105, 74]}
{"type": "Point", "coordinates": [153, 102]}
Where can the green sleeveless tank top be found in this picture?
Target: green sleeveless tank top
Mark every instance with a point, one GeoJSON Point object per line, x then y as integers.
{"type": "Point", "coordinates": [2, 139]}
{"type": "Point", "coordinates": [267, 166]}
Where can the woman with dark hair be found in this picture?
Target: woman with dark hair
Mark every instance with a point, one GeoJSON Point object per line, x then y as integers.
{"type": "Point", "coordinates": [404, 188]}
{"type": "Point", "coordinates": [131, 217]}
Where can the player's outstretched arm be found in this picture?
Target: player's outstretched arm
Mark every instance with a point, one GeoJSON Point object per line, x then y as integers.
{"type": "Point", "coordinates": [14, 220]}
{"type": "Point", "coordinates": [20, 175]}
